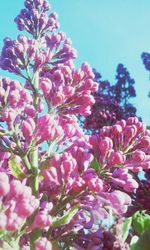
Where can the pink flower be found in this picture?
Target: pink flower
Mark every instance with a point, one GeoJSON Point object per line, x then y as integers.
{"type": "Point", "coordinates": [43, 244]}
{"type": "Point", "coordinates": [25, 207]}
{"type": "Point", "coordinates": [76, 186]}
{"type": "Point", "coordinates": [45, 85]}
{"type": "Point", "coordinates": [94, 183]}
{"type": "Point", "coordinates": [138, 156]}
{"type": "Point", "coordinates": [28, 127]}
{"type": "Point", "coordinates": [18, 204]}
{"type": "Point", "coordinates": [120, 201]}
{"type": "Point", "coordinates": [14, 222]}
{"type": "Point", "coordinates": [4, 184]}
{"type": "Point", "coordinates": [116, 158]}
{"type": "Point", "coordinates": [47, 129]}
{"type": "Point", "coordinates": [122, 178]}
{"type": "Point", "coordinates": [41, 220]}
{"type": "Point", "coordinates": [3, 220]}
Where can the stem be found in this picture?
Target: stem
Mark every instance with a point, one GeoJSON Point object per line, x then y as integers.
{"type": "Point", "coordinates": [26, 162]}
{"type": "Point", "coordinates": [35, 170]}
{"type": "Point", "coordinates": [35, 82]}
{"type": "Point", "coordinates": [34, 236]}
{"type": "Point", "coordinates": [34, 153]}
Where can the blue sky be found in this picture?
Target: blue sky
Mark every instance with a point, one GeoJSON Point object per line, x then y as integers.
{"type": "Point", "coordinates": [104, 32]}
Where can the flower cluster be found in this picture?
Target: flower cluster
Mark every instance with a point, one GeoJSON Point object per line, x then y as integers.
{"type": "Point", "coordinates": [17, 54]}
{"type": "Point", "coordinates": [15, 101]}
{"type": "Point", "coordinates": [124, 87]}
{"type": "Point", "coordinates": [17, 203]}
{"type": "Point", "coordinates": [59, 48]}
{"type": "Point", "coordinates": [111, 101]}
{"type": "Point", "coordinates": [61, 188]}
{"type": "Point", "coordinates": [146, 60]}
{"type": "Point", "coordinates": [34, 18]}
{"type": "Point", "coordinates": [120, 150]}
{"type": "Point", "coordinates": [140, 200]}
{"type": "Point", "coordinates": [43, 50]}
{"type": "Point", "coordinates": [46, 129]}
{"type": "Point", "coordinates": [106, 111]}
{"type": "Point", "coordinates": [69, 90]}
{"type": "Point", "coordinates": [100, 240]}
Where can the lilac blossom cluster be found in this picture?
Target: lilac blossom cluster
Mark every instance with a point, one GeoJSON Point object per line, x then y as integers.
{"type": "Point", "coordinates": [23, 53]}
{"type": "Point", "coordinates": [15, 101]}
{"type": "Point", "coordinates": [106, 111]}
{"type": "Point", "coordinates": [140, 199]}
{"type": "Point", "coordinates": [146, 60]}
{"type": "Point", "coordinates": [35, 19]}
{"type": "Point", "coordinates": [17, 203]}
{"type": "Point", "coordinates": [112, 101]}
{"type": "Point", "coordinates": [58, 186]}
{"type": "Point", "coordinates": [69, 90]}
{"type": "Point", "coordinates": [17, 54]}
{"type": "Point", "coordinates": [121, 151]}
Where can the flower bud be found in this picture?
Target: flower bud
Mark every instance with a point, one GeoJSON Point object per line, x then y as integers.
{"type": "Point", "coordinates": [25, 208]}
{"type": "Point", "coordinates": [116, 129]}
{"type": "Point", "coordinates": [116, 158]}
{"type": "Point", "coordinates": [3, 221]}
{"type": "Point", "coordinates": [41, 220]}
{"type": "Point", "coordinates": [105, 144]}
{"type": "Point", "coordinates": [16, 188]}
{"type": "Point", "coordinates": [130, 131]}
{"type": "Point", "coordinates": [77, 186]}
{"type": "Point", "coordinates": [28, 127]}
{"type": "Point", "coordinates": [45, 85]}
{"type": "Point", "coordinates": [30, 110]}
{"type": "Point", "coordinates": [4, 184]}
{"type": "Point", "coordinates": [138, 156]}
{"type": "Point", "coordinates": [43, 244]}
{"type": "Point", "coordinates": [14, 222]}
{"type": "Point", "coordinates": [144, 142]}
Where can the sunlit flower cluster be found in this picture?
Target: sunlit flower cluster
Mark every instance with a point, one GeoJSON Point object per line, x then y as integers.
{"type": "Point", "coordinates": [60, 188]}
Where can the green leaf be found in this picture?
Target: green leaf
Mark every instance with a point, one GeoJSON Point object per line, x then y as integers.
{"type": "Point", "coordinates": [12, 244]}
{"type": "Point", "coordinates": [16, 169]}
{"type": "Point", "coordinates": [144, 241]}
{"type": "Point", "coordinates": [141, 221]}
{"type": "Point", "coordinates": [126, 227]}
{"type": "Point", "coordinates": [95, 165]}
{"type": "Point", "coordinates": [66, 218]}
{"type": "Point", "coordinates": [2, 233]}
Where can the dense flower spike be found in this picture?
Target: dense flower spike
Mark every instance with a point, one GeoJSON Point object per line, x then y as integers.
{"type": "Point", "coordinates": [68, 90]}
{"type": "Point", "coordinates": [146, 60]}
{"type": "Point", "coordinates": [111, 101]}
{"type": "Point", "coordinates": [17, 203]}
{"type": "Point", "coordinates": [34, 18]}
{"type": "Point", "coordinates": [13, 95]}
{"type": "Point", "coordinates": [16, 104]}
{"type": "Point", "coordinates": [59, 48]}
{"type": "Point", "coordinates": [47, 129]}
{"type": "Point", "coordinates": [106, 111]}
{"type": "Point", "coordinates": [60, 188]}
{"type": "Point", "coordinates": [140, 200]}
{"type": "Point", "coordinates": [120, 150]}
{"type": "Point", "coordinates": [20, 54]}
{"type": "Point", "coordinates": [17, 54]}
